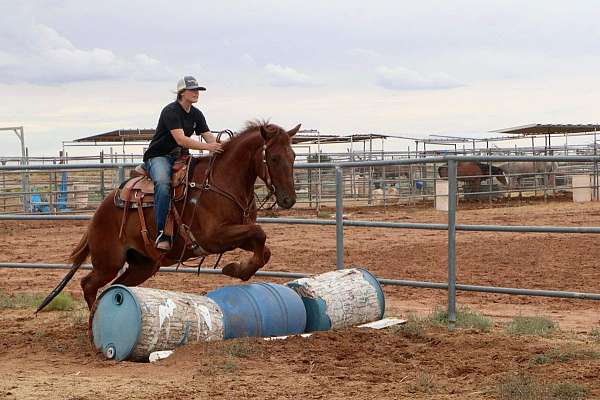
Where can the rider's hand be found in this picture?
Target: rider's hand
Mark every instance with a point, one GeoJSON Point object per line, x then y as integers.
{"type": "Point", "coordinates": [215, 147]}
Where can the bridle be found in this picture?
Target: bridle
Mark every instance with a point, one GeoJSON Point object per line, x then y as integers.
{"type": "Point", "coordinates": [209, 182]}
{"type": "Point", "coordinates": [267, 174]}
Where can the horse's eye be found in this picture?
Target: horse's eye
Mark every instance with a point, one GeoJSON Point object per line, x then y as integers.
{"type": "Point", "coordinates": [275, 158]}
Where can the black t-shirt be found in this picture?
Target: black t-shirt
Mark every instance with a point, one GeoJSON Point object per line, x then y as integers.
{"type": "Point", "coordinates": [173, 116]}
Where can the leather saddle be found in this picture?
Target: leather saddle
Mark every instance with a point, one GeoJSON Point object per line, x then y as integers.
{"type": "Point", "coordinates": [139, 189]}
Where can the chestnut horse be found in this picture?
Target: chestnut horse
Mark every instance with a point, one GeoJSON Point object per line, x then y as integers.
{"type": "Point", "coordinates": [473, 173]}
{"type": "Point", "coordinates": [221, 215]}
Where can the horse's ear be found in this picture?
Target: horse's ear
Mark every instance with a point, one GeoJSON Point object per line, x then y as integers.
{"type": "Point", "coordinates": [294, 130]}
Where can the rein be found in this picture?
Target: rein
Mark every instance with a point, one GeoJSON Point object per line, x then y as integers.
{"type": "Point", "coordinates": [209, 184]}
{"type": "Point", "coordinates": [186, 230]}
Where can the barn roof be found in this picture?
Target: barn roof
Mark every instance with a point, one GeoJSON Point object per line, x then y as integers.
{"type": "Point", "coordinates": [304, 136]}
{"type": "Point", "coordinates": [549, 129]}
{"type": "Point", "coordinates": [120, 135]}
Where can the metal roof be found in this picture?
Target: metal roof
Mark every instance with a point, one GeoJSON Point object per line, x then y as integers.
{"type": "Point", "coordinates": [121, 135]}
{"type": "Point", "coordinates": [359, 137]}
{"type": "Point", "coordinates": [549, 129]}
{"type": "Point", "coordinates": [145, 135]}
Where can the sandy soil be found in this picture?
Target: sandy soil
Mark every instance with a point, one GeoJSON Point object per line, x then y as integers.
{"type": "Point", "coordinates": [48, 356]}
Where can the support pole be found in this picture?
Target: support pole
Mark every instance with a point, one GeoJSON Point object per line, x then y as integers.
{"type": "Point", "coordinates": [339, 219]}
{"type": "Point", "coordinates": [451, 244]}
{"type": "Point", "coordinates": [24, 161]}
{"type": "Point", "coordinates": [121, 175]}
{"type": "Point", "coordinates": [102, 187]}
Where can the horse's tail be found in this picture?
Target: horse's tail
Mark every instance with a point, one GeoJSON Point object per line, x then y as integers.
{"type": "Point", "coordinates": [80, 253]}
{"type": "Point", "coordinates": [77, 257]}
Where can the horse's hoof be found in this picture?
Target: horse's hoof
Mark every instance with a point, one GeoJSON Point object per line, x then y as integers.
{"type": "Point", "coordinates": [245, 276]}
{"type": "Point", "coordinates": [232, 270]}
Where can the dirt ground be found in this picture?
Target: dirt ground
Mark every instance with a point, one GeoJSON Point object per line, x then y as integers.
{"type": "Point", "coordinates": [49, 356]}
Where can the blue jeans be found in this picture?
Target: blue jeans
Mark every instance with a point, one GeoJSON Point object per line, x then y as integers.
{"type": "Point", "coordinates": [159, 169]}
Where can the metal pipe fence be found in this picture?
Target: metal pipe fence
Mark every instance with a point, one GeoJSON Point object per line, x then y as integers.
{"type": "Point", "coordinates": [382, 182]}
{"type": "Point", "coordinates": [451, 227]}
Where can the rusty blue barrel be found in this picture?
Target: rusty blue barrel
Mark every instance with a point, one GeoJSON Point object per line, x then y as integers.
{"type": "Point", "coordinates": [260, 310]}
{"type": "Point", "coordinates": [129, 323]}
{"type": "Point", "coordinates": [340, 299]}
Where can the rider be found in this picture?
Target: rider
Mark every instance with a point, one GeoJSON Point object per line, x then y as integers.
{"type": "Point", "coordinates": [177, 122]}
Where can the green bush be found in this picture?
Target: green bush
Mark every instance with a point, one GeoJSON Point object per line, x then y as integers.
{"type": "Point", "coordinates": [62, 302]}
{"type": "Point", "coordinates": [465, 318]}
{"type": "Point", "coordinates": [519, 387]}
{"type": "Point", "coordinates": [564, 354]}
{"type": "Point", "coordinates": [424, 383]}
{"type": "Point", "coordinates": [567, 391]}
{"type": "Point", "coordinates": [19, 300]}
{"type": "Point", "coordinates": [539, 326]}
{"type": "Point", "coordinates": [414, 326]}
{"type": "Point", "coordinates": [525, 387]}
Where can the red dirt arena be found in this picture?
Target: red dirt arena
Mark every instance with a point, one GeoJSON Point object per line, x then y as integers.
{"type": "Point", "coordinates": [49, 356]}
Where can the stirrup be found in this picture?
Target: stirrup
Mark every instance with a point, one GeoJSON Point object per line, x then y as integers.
{"type": "Point", "coordinates": [163, 242]}
{"type": "Point", "coordinates": [164, 245]}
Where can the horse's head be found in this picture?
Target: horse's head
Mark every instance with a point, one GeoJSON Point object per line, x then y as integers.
{"type": "Point", "coordinates": [278, 163]}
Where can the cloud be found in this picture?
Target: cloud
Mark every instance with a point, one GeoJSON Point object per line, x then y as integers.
{"type": "Point", "coordinates": [286, 76]}
{"type": "Point", "coordinates": [36, 53]}
{"type": "Point", "coordinates": [363, 53]}
{"type": "Point", "coordinates": [400, 78]}
{"type": "Point", "coordinates": [248, 60]}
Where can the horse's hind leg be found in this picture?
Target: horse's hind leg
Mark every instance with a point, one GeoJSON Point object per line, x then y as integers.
{"type": "Point", "coordinates": [105, 269]}
{"type": "Point", "coordinates": [140, 268]}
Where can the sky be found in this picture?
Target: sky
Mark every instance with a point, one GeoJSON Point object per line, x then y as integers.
{"type": "Point", "coordinates": [70, 69]}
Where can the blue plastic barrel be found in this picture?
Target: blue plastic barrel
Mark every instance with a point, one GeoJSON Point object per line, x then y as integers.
{"type": "Point", "coordinates": [129, 323]}
{"type": "Point", "coordinates": [117, 322]}
{"type": "Point", "coordinates": [260, 310]}
{"type": "Point", "coordinates": [340, 299]}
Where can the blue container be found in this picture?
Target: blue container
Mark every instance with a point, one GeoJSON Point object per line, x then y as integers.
{"type": "Point", "coordinates": [117, 322]}
{"type": "Point", "coordinates": [340, 299]}
{"type": "Point", "coordinates": [260, 310]}
{"type": "Point", "coordinates": [129, 323]}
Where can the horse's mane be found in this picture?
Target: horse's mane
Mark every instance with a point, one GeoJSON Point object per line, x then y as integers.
{"type": "Point", "coordinates": [256, 124]}
{"type": "Point", "coordinates": [252, 126]}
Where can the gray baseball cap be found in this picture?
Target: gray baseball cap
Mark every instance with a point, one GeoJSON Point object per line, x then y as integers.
{"type": "Point", "coordinates": [188, 82]}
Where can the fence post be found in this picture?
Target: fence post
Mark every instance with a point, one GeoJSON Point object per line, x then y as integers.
{"type": "Point", "coordinates": [339, 219]}
{"type": "Point", "coordinates": [451, 243]}
{"type": "Point", "coordinates": [121, 175]}
{"type": "Point", "coordinates": [102, 188]}
{"type": "Point", "coordinates": [3, 187]}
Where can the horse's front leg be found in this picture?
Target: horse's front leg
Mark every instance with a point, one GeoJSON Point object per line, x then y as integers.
{"type": "Point", "coordinates": [247, 237]}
